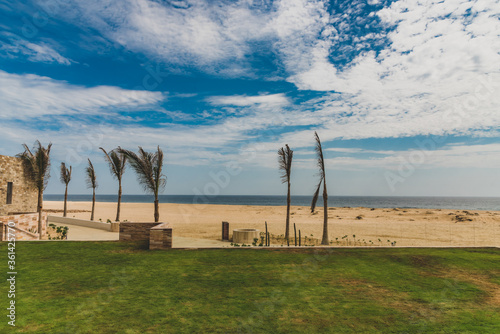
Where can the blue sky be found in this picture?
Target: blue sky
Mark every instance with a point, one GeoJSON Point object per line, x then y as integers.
{"type": "Point", "coordinates": [405, 94]}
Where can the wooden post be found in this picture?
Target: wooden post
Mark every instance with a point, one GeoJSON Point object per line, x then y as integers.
{"type": "Point", "coordinates": [295, 232]}
{"type": "Point", "coordinates": [225, 231]}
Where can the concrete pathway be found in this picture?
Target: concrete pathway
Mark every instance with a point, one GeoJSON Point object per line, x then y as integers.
{"type": "Point", "coordinates": [80, 233]}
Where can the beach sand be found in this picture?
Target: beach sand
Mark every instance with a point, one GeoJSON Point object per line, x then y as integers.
{"type": "Point", "coordinates": [371, 227]}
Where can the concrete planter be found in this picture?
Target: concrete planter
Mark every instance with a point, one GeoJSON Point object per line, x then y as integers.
{"type": "Point", "coordinates": [245, 235]}
{"type": "Point", "coordinates": [80, 222]}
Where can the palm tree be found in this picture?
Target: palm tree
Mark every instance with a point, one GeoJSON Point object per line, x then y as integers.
{"type": "Point", "coordinates": [148, 167]}
{"type": "Point", "coordinates": [285, 156]}
{"type": "Point", "coordinates": [321, 165]}
{"type": "Point", "coordinates": [65, 178]}
{"type": "Point", "coordinates": [37, 165]}
{"type": "Point", "coordinates": [91, 183]}
{"type": "Point", "coordinates": [116, 163]}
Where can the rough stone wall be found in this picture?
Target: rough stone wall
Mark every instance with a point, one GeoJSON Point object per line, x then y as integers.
{"type": "Point", "coordinates": [24, 194]}
{"type": "Point", "coordinates": [160, 237]}
{"type": "Point", "coordinates": [135, 231]}
{"type": "Point", "coordinates": [28, 223]}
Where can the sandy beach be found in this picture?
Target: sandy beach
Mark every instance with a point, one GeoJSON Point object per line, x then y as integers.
{"type": "Point", "coordinates": [374, 227]}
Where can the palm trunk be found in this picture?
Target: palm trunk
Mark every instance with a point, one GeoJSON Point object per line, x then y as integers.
{"type": "Point", "coordinates": [324, 240]}
{"type": "Point", "coordinates": [65, 200]}
{"type": "Point", "coordinates": [157, 210]}
{"type": "Point", "coordinates": [93, 204]}
{"type": "Point", "coordinates": [119, 200]}
{"type": "Point", "coordinates": [287, 232]}
{"type": "Point", "coordinates": [39, 208]}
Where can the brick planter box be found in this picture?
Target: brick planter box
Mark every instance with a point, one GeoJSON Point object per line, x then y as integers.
{"type": "Point", "coordinates": [160, 237]}
{"type": "Point", "coordinates": [135, 231]}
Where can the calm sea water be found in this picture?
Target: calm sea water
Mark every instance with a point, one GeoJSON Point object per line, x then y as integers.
{"type": "Point", "coordinates": [462, 203]}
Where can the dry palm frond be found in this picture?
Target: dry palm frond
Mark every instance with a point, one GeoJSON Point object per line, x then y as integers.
{"type": "Point", "coordinates": [116, 162]}
{"type": "Point", "coordinates": [285, 156]}
{"type": "Point", "coordinates": [90, 176]}
{"type": "Point", "coordinates": [65, 173]}
{"type": "Point", "coordinates": [148, 167]}
{"type": "Point", "coordinates": [37, 164]}
{"type": "Point", "coordinates": [315, 196]}
{"type": "Point", "coordinates": [321, 166]}
{"type": "Point", "coordinates": [319, 153]}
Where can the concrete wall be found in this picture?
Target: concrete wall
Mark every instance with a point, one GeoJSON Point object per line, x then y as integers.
{"type": "Point", "coordinates": [24, 194]}
{"type": "Point", "coordinates": [81, 222]}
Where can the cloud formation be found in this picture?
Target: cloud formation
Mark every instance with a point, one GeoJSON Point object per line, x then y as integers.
{"type": "Point", "coordinates": [31, 96]}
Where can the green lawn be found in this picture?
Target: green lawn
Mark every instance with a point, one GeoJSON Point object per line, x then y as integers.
{"type": "Point", "coordinates": [112, 287]}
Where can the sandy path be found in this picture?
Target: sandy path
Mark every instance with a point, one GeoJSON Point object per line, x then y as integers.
{"type": "Point", "coordinates": [408, 227]}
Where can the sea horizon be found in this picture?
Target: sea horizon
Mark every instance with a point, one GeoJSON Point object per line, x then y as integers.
{"type": "Point", "coordinates": [419, 202]}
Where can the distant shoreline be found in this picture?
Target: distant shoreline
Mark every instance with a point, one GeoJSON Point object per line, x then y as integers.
{"type": "Point", "coordinates": [420, 202]}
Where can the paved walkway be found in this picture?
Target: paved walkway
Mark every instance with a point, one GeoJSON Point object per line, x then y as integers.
{"type": "Point", "coordinates": [80, 233]}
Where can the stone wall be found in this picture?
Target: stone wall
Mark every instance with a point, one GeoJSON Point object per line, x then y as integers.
{"type": "Point", "coordinates": [24, 194]}
{"type": "Point", "coordinates": [160, 237]}
{"type": "Point", "coordinates": [135, 231]}
{"type": "Point", "coordinates": [26, 226]}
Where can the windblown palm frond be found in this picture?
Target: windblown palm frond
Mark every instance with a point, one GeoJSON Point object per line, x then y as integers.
{"type": "Point", "coordinates": [321, 166]}
{"type": "Point", "coordinates": [65, 173]}
{"type": "Point", "coordinates": [116, 162]}
{"type": "Point", "coordinates": [148, 167]}
{"type": "Point", "coordinates": [37, 164]}
{"type": "Point", "coordinates": [319, 153]}
{"type": "Point", "coordinates": [37, 168]}
{"type": "Point", "coordinates": [315, 196]}
{"type": "Point", "coordinates": [91, 178]}
{"type": "Point", "coordinates": [285, 156]}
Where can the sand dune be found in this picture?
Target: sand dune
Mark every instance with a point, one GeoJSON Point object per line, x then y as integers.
{"type": "Point", "coordinates": [407, 227]}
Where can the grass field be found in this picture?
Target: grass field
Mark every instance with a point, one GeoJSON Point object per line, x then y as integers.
{"type": "Point", "coordinates": [111, 287]}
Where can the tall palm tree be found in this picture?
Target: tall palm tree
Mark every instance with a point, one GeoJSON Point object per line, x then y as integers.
{"type": "Point", "coordinates": [285, 156]}
{"type": "Point", "coordinates": [148, 167]}
{"type": "Point", "coordinates": [91, 183]}
{"type": "Point", "coordinates": [65, 178]}
{"type": "Point", "coordinates": [37, 165]}
{"type": "Point", "coordinates": [322, 179]}
{"type": "Point", "coordinates": [116, 163]}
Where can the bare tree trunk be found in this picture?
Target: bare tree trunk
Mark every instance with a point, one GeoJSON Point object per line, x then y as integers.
{"type": "Point", "coordinates": [119, 200]}
{"type": "Point", "coordinates": [287, 230]}
{"type": "Point", "coordinates": [157, 210]}
{"type": "Point", "coordinates": [65, 201]}
{"type": "Point", "coordinates": [93, 204]}
{"type": "Point", "coordinates": [40, 208]}
{"type": "Point", "coordinates": [324, 240]}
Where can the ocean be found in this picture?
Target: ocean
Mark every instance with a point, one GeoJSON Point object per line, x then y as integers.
{"type": "Point", "coordinates": [456, 203]}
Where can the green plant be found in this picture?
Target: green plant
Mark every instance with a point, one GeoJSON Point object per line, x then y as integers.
{"type": "Point", "coordinates": [255, 240]}
{"type": "Point", "coordinates": [61, 232]}
{"type": "Point", "coordinates": [108, 221]}
{"type": "Point", "coordinates": [148, 167]}
{"type": "Point", "coordinates": [37, 166]}
{"type": "Point", "coordinates": [117, 162]}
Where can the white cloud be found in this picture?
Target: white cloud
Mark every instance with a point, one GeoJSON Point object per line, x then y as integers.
{"type": "Point", "coordinates": [439, 75]}
{"type": "Point", "coordinates": [34, 52]}
{"type": "Point", "coordinates": [29, 95]}
{"type": "Point", "coordinates": [195, 33]}
{"type": "Point", "coordinates": [244, 100]}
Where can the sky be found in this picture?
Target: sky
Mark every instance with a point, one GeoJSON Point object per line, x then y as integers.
{"type": "Point", "coordinates": [404, 94]}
